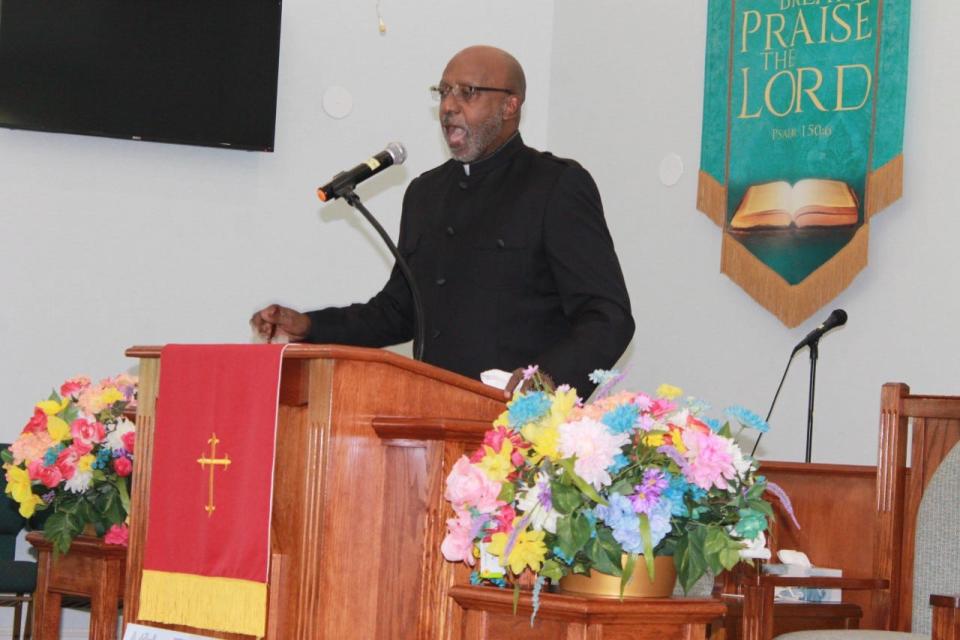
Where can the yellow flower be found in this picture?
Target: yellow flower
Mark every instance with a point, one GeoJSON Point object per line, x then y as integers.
{"type": "Point", "coordinates": [669, 391]}
{"type": "Point", "coordinates": [58, 429]}
{"type": "Point", "coordinates": [109, 396]}
{"type": "Point", "coordinates": [85, 463]}
{"type": "Point", "coordinates": [563, 403]}
{"type": "Point", "coordinates": [528, 550]}
{"type": "Point", "coordinates": [497, 466]}
{"type": "Point", "coordinates": [18, 487]}
{"type": "Point", "coordinates": [52, 407]}
{"type": "Point", "coordinates": [654, 439]}
{"type": "Point", "coordinates": [545, 439]}
{"type": "Point", "coordinates": [503, 420]}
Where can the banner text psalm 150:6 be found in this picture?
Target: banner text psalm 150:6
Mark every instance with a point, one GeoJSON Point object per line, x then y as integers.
{"type": "Point", "coordinates": [775, 37]}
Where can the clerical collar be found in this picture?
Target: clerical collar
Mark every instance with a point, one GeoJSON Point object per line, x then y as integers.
{"type": "Point", "coordinates": [503, 154]}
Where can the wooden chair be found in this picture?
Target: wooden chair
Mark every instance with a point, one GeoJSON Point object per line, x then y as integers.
{"type": "Point", "coordinates": [935, 424]}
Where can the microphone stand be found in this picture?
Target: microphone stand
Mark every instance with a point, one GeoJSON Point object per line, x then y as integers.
{"type": "Point", "coordinates": [354, 201]}
{"type": "Point", "coordinates": [814, 353]}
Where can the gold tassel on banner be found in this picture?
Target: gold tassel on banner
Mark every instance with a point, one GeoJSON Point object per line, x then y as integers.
{"type": "Point", "coordinates": [203, 602]}
{"type": "Point", "coordinates": [794, 304]}
{"type": "Point", "coordinates": [712, 198]}
{"type": "Point", "coordinates": [884, 187]}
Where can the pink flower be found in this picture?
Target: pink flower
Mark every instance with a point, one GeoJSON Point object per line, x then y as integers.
{"type": "Point", "coordinates": [122, 466]}
{"type": "Point", "coordinates": [494, 439]}
{"type": "Point", "coordinates": [468, 486]}
{"type": "Point", "coordinates": [595, 447]}
{"type": "Point", "coordinates": [38, 423]}
{"type": "Point", "coordinates": [129, 438]}
{"type": "Point", "coordinates": [31, 446]}
{"type": "Point", "coordinates": [457, 546]}
{"type": "Point", "coordinates": [503, 519]}
{"type": "Point", "coordinates": [117, 534]}
{"type": "Point", "coordinates": [709, 461]}
{"type": "Point", "coordinates": [47, 476]}
{"type": "Point", "coordinates": [74, 386]}
{"type": "Point", "coordinates": [87, 432]}
{"type": "Point", "coordinates": [67, 460]}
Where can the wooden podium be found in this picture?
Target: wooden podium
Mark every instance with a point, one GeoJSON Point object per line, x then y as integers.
{"type": "Point", "coordinates": [365, 440]}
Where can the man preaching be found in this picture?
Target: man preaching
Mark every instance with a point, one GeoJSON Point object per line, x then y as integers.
{"type": "Point", "coordinates": [508, 246]}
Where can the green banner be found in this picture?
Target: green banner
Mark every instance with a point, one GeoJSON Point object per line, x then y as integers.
{"type": "Point", "coordinates": [802, 130]}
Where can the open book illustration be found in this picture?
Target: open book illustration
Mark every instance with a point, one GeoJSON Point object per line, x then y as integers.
{"type": "Point", "coordinates": [813, 202]}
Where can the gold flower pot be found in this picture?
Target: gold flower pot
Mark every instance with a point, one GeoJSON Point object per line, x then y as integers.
{"type": "Point", "coordinates": [640, 586]}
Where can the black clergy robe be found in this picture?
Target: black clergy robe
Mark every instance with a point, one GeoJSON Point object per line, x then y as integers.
{"type": "Point", "coordinates": [515, 266]}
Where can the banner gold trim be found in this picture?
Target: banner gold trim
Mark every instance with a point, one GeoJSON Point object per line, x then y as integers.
{"type": "Point", "coordinates": [204, 602]}
{"type": "Point", "coordinates": [794, 304]}
{"type": "Point", "coordinates": [884, 187]}
{"type": "Point", "coordinates": [712, 198]}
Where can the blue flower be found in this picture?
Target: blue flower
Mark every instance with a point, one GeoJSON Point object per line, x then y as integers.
{"type": "Point", "coordinates": [624, 522]}
{"type": "Point", "coordinates": [561, 556]}
{"type": "Point", "coordinates": [619, 462]}
{"type": "Point", "coordinates": [50, 457]}
{"type": "Point", "coordinates": [621, 419]}
{"type": "Point", "coordinates": [602, 376]}
{"type": "Point", "coordinates": [529, 407]}
{"type": "Point", "coordinates": [747, 418]}
{"type": "Point", "coordinates": [713, 423]}
{"type": "Point", "coordinates": [659, 521]}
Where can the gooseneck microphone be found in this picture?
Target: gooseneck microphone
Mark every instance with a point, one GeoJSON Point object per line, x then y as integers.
{"type": "Point", "coordinates": [341, 186]}
{"type": "Point", "coordinates": [836, 319]}
{"type": "Point", "coordinates": [347, 180]}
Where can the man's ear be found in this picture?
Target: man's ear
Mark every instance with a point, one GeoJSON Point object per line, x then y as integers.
{"type": "Point", "coordinates": [511, 107]}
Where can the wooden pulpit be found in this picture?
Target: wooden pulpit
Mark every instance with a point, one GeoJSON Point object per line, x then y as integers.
{"type": "Point", "coordinates": [365, 439]}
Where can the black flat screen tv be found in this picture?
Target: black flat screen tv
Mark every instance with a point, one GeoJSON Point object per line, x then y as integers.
{"type": "Point", "coordinates": [200, 72]}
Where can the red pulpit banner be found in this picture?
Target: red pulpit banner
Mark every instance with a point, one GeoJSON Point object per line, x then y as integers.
{"type": "Point", "coordinates": [207, 552]}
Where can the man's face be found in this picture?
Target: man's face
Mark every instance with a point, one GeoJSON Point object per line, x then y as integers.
{"type": "Point", "coordinates": [474, 128]}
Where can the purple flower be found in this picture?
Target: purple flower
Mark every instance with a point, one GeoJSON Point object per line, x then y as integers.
{"type": "Point", "coordinates": [648, 492]}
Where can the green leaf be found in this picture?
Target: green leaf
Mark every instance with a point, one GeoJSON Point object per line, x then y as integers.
{"type": "Point", "coordinates": [762, 506]}
{"type": "Point", "coordinates": [507, 492]}
{"type": "Point", "coordinates": [600, 559]}
{"type": "Point", "coordinates": [688, 557]}
{"type": "Point", "coordinates": [516, 595]}
{"type": "Point", "coordinates": [61, 528]}
{"type": "Point", "coordinates": [579, 531]}
{"type": "Point", "coordinates": [6, 456]}
{"type": "Point", "coordinates": [627, 572]}
{"type": "Point", "coordinates": [647, 543]}
{"type": "Point", "coordinates": [565, 498]}
{"type": "Point", "coordinates": [585, 487]}
{"type": "Point", "coordinates": [124, 494]}
{"type": "Point", "coordinates": [552, 569]}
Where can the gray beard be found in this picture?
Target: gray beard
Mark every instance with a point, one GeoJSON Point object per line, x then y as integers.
{"type": "Point", "coordinates": [479, 139]}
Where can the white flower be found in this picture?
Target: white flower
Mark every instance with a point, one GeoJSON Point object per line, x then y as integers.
{"type": "Point", "coordinates": [115, 436]}
{"type": "Point", "coordinates": [541, 518]}
{"type": "Point", "coordinates": [80, 481]}
{"type": "Point", "coordinates": [594, 446]}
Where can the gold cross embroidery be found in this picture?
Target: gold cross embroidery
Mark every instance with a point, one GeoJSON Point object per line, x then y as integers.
{"type": "Point", "coordinates": [213, 461]}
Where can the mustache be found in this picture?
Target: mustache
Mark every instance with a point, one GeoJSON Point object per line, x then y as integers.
{"type": "Point", "coordinates": [449, 119]}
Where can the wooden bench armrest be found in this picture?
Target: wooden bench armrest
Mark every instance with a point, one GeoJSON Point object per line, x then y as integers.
{"type": "Point", "coordinates": [946, 617]}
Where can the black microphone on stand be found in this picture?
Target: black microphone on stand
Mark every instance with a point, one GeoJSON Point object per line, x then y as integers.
{"type": "Point", "coordinates": [341, 186]}
{"type": "Point", "coordinates": [812, 340]}
{"type": "Point", "coordinates": [836, 319]}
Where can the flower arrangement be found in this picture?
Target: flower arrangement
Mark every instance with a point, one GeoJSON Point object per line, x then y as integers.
{"type": "Point", "coordinates": [74, 458]}
{"type": "Point", "coordinates": [561, 487]}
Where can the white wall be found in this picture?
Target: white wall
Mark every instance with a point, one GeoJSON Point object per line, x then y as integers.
{"type": "Point", "coordinates": [626, 89]}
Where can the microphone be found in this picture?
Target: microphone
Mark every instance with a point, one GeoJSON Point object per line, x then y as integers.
{"type": "Point", "coordinates": [347, 180]}
{"type": "Point", "coordinates": [836, 319]}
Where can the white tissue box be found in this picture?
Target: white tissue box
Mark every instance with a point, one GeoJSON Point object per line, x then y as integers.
{"type": "Point", "coordinates": [803, 594]}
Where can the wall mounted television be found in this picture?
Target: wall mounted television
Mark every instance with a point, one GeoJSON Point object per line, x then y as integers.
{"type": "Point", "coordinates": [201, 72]}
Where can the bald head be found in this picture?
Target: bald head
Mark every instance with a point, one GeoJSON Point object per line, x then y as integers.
{"type": "Point", "coordinates": [499, 65]}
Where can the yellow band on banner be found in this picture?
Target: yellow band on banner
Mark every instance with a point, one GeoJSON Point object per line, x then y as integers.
{"type": "Point", "coordinates": [221, 604]}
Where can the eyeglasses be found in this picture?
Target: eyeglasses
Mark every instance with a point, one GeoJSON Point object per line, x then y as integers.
{"type": "Point", "coordinates": [463, 93]}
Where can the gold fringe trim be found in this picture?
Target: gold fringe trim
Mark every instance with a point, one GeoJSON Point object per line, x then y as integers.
{"type": "Point", "coordinates": [884, 187]}
{"type": "Point", "coordinates": [202, 602]}
{"type": "Point", "coordinates": [794, 304]}
{"type": "Point", "coordinates": [712, 198]}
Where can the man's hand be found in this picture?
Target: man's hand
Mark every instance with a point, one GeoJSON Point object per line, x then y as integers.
{"type": "Point", "coordinates": [518, 383]}
{"type": "Point", "coordinates": [276, 320]}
